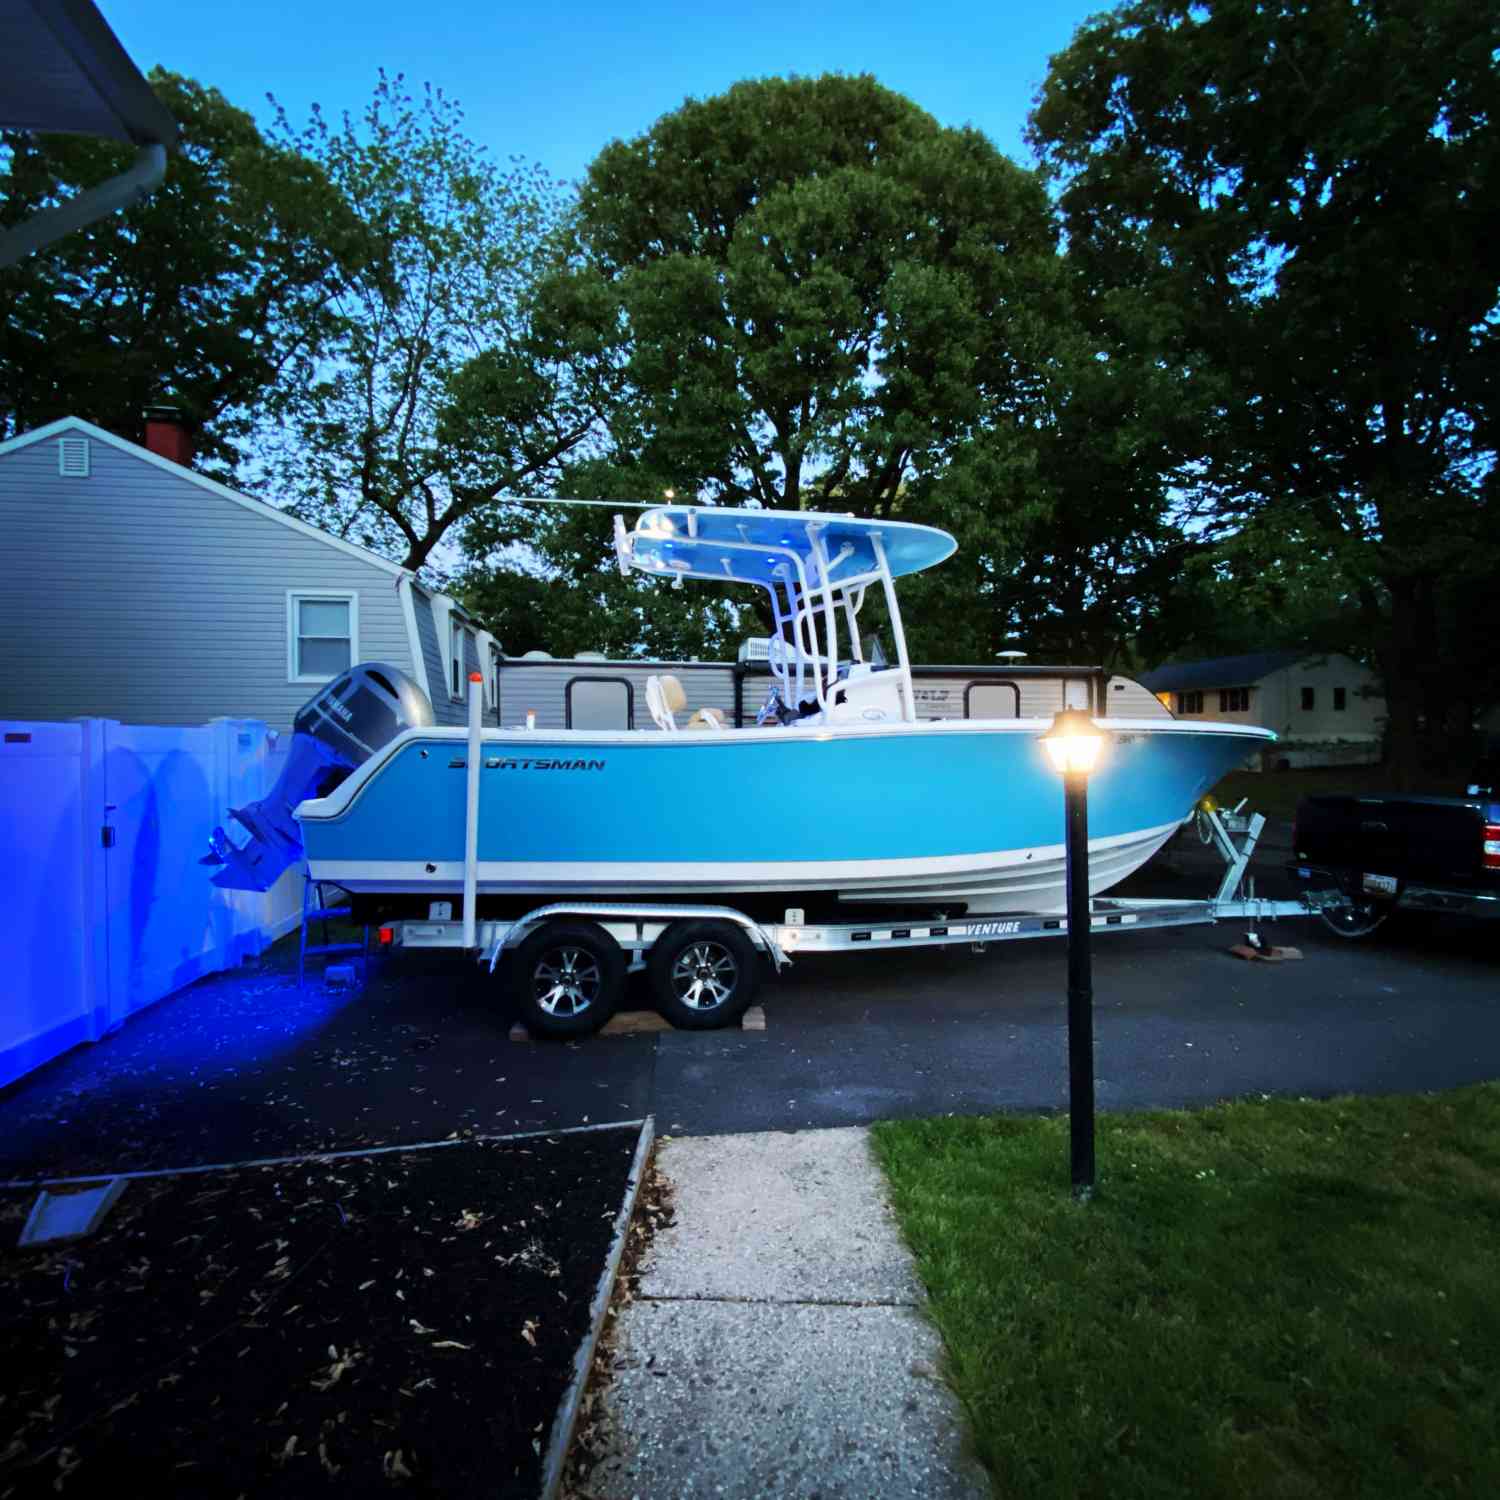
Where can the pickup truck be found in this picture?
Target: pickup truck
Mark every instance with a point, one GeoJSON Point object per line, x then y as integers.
{"type": "Point", "coordinates": [1409, 853]}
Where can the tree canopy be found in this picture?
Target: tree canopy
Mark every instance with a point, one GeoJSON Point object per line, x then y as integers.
{"type": "Point", "coordinates": [810, 283]}
{"type": "Point", "coordinates": [211, 293]}
{"type": "Point", "coordinates": [1308, 183]}
{"type": "Point", "coordinates": [442, 390]}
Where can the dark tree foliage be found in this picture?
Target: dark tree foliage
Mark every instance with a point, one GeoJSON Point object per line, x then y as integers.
{"type": "Point", "coordinates": [212, 293]}
{"type": "Point", "coordinates": [1310, 184]}
{"type": "Point", "coordinates": [809, 280]}
{"type": "Point", "coordinates": [447, 386]}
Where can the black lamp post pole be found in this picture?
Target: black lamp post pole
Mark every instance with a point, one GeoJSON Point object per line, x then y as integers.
{"type": "Point", "coordinates": [1080, 985]}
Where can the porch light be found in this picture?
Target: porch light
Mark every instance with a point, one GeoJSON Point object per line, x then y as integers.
{"type": "Point", "coordinates": [1073, 743]}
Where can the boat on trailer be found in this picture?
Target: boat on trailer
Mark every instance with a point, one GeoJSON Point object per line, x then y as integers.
{"type": "Point", "coordinates": [840, 797]}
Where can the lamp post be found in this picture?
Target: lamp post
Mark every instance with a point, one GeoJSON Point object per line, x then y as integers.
{"type": "Point", "coordinates": [1073, 744]}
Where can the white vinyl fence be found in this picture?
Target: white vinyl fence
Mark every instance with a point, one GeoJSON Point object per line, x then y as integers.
{"type": "Point", "coordinates": [106, 908]}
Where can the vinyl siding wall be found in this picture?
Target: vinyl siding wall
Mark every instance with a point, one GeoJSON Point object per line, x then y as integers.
{"type": "Point", "coordinates": [1276, 702]}
{"type": "Point", "coordinates": [432, 656]}
{"type": "Point", "coordinates": [134, 594]}
{"type": "Point", "coordinates": [445, 708]}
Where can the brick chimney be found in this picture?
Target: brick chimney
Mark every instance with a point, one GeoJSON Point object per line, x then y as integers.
{"type": "Point", "coordinates": [167, 434]}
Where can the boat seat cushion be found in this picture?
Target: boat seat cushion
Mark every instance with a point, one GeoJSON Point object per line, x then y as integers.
{"type": "Point", "coordinates": [665, 699]}
{"type": "Point", "coordinates": [707, 718]}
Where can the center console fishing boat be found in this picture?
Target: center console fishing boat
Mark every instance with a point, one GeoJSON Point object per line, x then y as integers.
{"type": "Point", "coordinates": [841, 796]}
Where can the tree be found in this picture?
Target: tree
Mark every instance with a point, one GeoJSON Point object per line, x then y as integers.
{"type": "Point", "coordinates": [809, 293]}
{"type": "Point", "coordinates": [808, 281]}
{"type": "Point", "coordinates": [550, 581]}
{"type": "Point", "coordinates": [1309, 185]}
{"type": "Point", "coordinates": [1069, 506]}
{"type": "Point", "coordinates": [445, 390]}
{"type": "Point", "coordinates": [210, 293]}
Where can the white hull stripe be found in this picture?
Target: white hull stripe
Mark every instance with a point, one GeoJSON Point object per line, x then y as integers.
{"type": "Point", "coordinates": [843, 874]}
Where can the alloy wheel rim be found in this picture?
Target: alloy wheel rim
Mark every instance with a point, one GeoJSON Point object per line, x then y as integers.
{"type": "Point", "coordinates": [703, 977]}
{"type": "Point", "coordinates": [567, 981]}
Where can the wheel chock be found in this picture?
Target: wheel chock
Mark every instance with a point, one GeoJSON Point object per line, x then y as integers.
{"type": "Point", "coordinates": [1265, 955]}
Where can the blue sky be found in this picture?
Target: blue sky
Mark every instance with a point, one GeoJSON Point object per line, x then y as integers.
{"type": "Point", "coordinates": [556, 83]}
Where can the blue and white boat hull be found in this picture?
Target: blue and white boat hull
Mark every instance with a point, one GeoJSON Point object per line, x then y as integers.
{"type": "Point", "coordinates": [937, 814]}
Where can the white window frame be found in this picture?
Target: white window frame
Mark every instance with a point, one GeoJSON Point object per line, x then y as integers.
{"type": "Point", "coordinates": [458, 675]}
{"type": "Point", "coordinates": [295, 597]}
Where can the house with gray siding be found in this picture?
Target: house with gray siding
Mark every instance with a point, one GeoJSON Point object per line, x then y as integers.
{"type": "Point", "coordinates": [1327, 709]}
{"type": "Point", "coordinates": [142, 591]}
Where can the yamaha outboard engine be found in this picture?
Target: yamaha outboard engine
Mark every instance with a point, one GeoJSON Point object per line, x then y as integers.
{"type": "Point", "coordinates": [341, 728]}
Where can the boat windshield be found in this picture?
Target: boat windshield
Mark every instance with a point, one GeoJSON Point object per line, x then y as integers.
{"type": "Point", "coordinates": [816, 568]}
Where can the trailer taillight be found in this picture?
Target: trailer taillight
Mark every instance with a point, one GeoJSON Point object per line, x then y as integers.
{"type": "Point", "coordinates": [1492, 846]}
{"type": "Point", "coordinates": [386, 936]}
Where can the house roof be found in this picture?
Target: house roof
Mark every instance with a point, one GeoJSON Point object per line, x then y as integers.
{"type": "Point", "coordinates": [64, 70]}
{"type": "Point", "coordinates": [260, 507]}
{"type": "Point", "coordinates": [1219, 671]}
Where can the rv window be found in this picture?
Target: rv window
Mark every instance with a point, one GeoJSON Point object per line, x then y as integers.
{"type": "Point", "coordinates": [599, 703]}
{"type": "Point", "coordinates": [992, 700]}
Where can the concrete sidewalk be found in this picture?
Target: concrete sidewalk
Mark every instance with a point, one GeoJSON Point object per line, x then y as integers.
{"type": "Point", "coordinates": [776, 1347]}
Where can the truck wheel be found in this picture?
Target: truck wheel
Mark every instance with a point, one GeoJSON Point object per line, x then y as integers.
{"type": "Point", "coordinates": [567, 978]}
{"type": "Point", "coordinates": [1358, 917]}
{"type": "Point", "coordinates": [703, 974]}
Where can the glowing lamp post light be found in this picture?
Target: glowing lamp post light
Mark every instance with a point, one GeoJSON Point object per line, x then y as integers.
{"type": "Point", "coordinates": [1073, 744]}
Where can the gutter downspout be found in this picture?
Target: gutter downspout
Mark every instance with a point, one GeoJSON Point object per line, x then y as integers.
{"type": "Point", "coordinates": [51, 224]}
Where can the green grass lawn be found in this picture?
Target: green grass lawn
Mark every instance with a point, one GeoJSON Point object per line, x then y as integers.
{"type": "Point", "coordinates": [1264, 1299]}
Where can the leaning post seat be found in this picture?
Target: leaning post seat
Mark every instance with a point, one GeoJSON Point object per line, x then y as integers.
{"type": "Point", "coordinates": [870, 695]}
{"type": "Point", "coordinates": [665, 699]}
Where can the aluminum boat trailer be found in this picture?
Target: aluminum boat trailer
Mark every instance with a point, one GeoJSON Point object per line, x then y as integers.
{"type": "Point", "coordinates": [567, 960]}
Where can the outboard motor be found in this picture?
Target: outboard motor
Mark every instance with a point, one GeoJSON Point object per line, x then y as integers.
{"type": "Point", "coordinates": [349, 720]}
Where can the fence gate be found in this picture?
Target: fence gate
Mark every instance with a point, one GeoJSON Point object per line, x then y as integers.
{"type": "Point", "coordinates": [101, 829]}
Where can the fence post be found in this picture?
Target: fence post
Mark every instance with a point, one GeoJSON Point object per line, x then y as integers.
{"type": "Point", "coordinates": [93, 913]}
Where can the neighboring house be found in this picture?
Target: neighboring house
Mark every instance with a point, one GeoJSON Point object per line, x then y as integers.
{"type": "Point", "coordinates": [1327, 709]}
{"type": "Point", "coordinates": [142, 591]}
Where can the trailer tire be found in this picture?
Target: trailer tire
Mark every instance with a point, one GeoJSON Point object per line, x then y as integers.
{"type": "Point", "coordinates": [567, 978]}
{"type": "Point", "coordinates": [703, 974]}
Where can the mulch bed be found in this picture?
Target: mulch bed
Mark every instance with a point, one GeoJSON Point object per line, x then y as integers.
{"type": "Point", "coordinates": [400, 1323]}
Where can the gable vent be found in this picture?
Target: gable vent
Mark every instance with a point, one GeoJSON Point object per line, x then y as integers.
{"type": "Point", "coordinates": [73, 457]}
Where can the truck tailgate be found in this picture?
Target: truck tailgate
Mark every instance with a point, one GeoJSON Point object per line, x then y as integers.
{"type": "Point", "coordinates": [1415, 838]}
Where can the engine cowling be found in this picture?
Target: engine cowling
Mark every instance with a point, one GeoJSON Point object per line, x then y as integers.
{"type": "Point", "coordinates": [334, 732]}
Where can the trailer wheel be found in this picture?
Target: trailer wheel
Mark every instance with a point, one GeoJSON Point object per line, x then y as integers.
{"type": "Point", "coordinates": [1358, 917]}
{"type": "Point", "coordinates": [568, 978]}
{"type": "Point", "coordinates": [703, 974]}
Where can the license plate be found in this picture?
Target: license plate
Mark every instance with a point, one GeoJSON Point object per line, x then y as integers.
{"type": "Point", "coordinates": [1381, 885]}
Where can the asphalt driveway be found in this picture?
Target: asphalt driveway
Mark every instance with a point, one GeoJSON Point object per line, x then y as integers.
{"type": "Point", "coordinates": [243, 1066]}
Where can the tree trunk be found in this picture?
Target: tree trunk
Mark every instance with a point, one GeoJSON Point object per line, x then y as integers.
{"type": "Point", "coordinates": [1412, 683]}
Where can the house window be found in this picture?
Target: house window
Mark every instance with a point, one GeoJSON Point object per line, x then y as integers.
{"type": "Point", "coordinates": [1234, 700]}
{"type": "Point", "coordinates": [1190, 703]}
{"type": "Point", "coordinates": [599, 703]}
{"type": "Point", "coordinates": [1340, 699]}
{"type": "Point", "coordinates": [322, 635]}
{"type": "Point", "coordinates": [1309, 699]}
{"type": "Point", "coordinates": [456, 659]}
